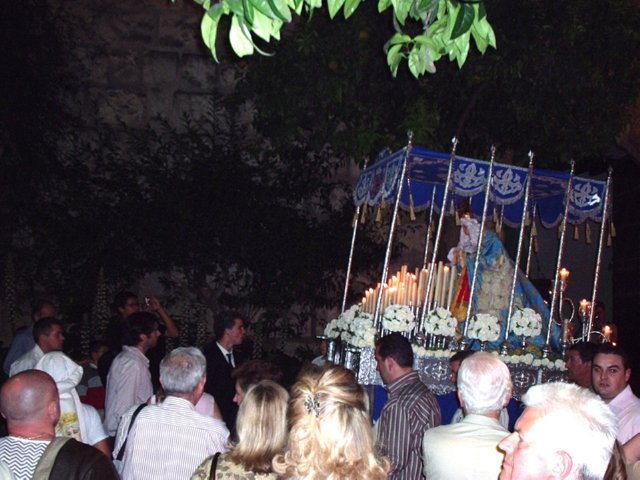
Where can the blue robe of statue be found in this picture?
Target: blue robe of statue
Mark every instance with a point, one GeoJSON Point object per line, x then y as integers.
{"type": "Point", "coordinates": [493, 288]}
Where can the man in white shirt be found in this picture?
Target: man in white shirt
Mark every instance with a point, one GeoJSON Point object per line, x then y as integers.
{"type": "Point", "coordinates": [610, 378]}
{"type": "Point", "coordinates": [129, 379]}
{"type": "Point", "coordinates": [171, 439]}
{"type": "Point", "coordinates": [469, 449]}
{"type": "Point", "coordinates": [49, 337]}
{"type": "Point", "coordinates": [565, 433]}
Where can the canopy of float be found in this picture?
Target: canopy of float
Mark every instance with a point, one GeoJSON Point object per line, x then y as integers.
{"type": "Point", "coordinates": [427, 170]}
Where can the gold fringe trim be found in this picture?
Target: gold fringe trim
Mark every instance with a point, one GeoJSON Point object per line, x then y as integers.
{"type": "Point", "coordinates": [613, 229]}
{"type": "Point", "coordinates": [587, 232]}
{"type": "Point", "coordinates": [576, 232]}
{"type": "Point", "coordinates": [363, 214]}
{"type": "Point", "coordinates": [378, 215]}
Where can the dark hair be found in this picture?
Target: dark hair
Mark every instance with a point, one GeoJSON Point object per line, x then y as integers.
{"type": "Point", "coordinates": [397, 347]}
{"type": "Point", "coordinates": [611, 349]}
{"type": "Point", "coordinates": [586, 350]}
{"type": "Point", "coordinates": [121, 299]}
{"type": "Point", "coordinates": [225, 320]}
{"type": "Point", "coordinates": [139, 323]}
{"type": "Point", "coordinates": [96, 345]}
{"type": "Point", "coordinates": [461, 355]}
{"type": "Point", "coordinates": [38, 304]}
{"type": "Point", "coordinates": [254, 371]}
{"type": "Point", "coordinates": [44, 327]}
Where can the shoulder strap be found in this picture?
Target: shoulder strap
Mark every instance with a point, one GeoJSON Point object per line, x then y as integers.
{"type": "Point", "coordinates": [48, 458]}
{"type": "Point", "coordinates": [133, 418]}
{"type": "Point", "coordinates": [214, 464]}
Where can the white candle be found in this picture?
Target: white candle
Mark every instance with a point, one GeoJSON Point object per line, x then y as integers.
{"type": "Point", "coordinates": [452, 286]}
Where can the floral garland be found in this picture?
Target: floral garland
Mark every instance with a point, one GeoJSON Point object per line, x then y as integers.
{"type": "Point", "coordinates": [484, 327]}
{"type": "Point", "coordinates": [527, 322]}
{"type": "Point", "coordinates": [398, 318]}
{"type": "Point", "coordinates": [440, 321]}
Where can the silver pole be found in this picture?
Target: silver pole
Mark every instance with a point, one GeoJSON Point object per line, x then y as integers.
{"type": "Point", "coordinates": [436, 242]}
{"type": "Point", "coordinates": [603, 223]}
{"type": "Point", "coordinates": [485, 207]}
{"type": "Point", "coordinates": [554, 296]}
{"type": "Point", "coordinates": [519, 250]}
{"type": "Point", "coordinates": [533, 219]}
{"type": "Point", "coordinates": [392, 229]}
{"type": "Point", "coordinates": [351, 250]}
{"type": "Point", "coordinates": [426, 245]}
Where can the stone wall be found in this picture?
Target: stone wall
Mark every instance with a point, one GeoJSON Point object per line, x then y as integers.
{"type": "Point", "coordinates": [138, 60]}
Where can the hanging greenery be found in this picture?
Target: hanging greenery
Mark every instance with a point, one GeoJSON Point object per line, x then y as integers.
{"type": "Point", "coordinates": [426, 30]}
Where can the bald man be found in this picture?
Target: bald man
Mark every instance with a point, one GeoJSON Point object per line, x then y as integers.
{"type": "Point", "coordinates": [30, 404]}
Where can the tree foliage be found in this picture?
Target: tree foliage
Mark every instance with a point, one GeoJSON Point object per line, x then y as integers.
{"type": "Point", "coordinates": [426, 30]}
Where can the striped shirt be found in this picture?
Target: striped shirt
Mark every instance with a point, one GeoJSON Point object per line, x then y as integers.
{"type": "Point", "coordinates": [409, 412]}
{"type": "Point", "coordinates": [21, 455]}
{"type": "Point", "coordinates": [168, 441]}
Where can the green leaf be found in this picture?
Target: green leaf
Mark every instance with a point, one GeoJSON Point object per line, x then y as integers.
{"type": "Point", "coordinates": [398, 38]}
{"type": "Point", "coordinates": [281, 10]}
{"type": "Point", "coordinates": [417, 60]}
{"type": "Point", "coordinates": [464, 20]}
{"type": "Point", "coordinates": [334, 6]}
{"type": "Point", "coordinates": [248, 12]}
{"type": "Point", "coordinates": [481, 42]}
{"type": "Point", "coordinates": [350, 7]}
{"type": "Point", "coordinates": [238, 38]}
{"type": "Point", "coordinates": [263, 7]}
{"type": "Point", "coordinates": [401, 9]}
{"type": "Point", "coordinates": [394, 57]}
{"type": "Point", "coordinates": [262, 26]}
{"type": "Point", "coordinates": [491, 36]}
{"type": "Point", "coordinates": [383, 5]}
{"type": "Point", "coordinates": [209, 27]}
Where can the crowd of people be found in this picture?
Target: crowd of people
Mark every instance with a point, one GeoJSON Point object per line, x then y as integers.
{"type": "Point", "coordinates": [214, 414]}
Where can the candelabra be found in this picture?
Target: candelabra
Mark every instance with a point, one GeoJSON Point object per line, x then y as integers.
{"type": "Point", "coordinates": [565, 323]}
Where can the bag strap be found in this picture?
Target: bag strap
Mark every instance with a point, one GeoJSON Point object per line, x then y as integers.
{"type": "Point", "coordinates": [48, 458]}
{"type": "Point", "coordinates": [214, 464]}
{"type": "Point", "coordinates": [133, 418]}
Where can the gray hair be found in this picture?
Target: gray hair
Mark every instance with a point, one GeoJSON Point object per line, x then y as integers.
{"type": "Point", "coordinates": [181, 370]}
{"type": "Point", "coordinates": [484, 383]}
{"type": "Point", "coordinates": [577, 421]}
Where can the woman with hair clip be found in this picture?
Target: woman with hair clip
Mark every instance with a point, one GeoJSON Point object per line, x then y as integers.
{"type": "Point", "coordinates": [331, 436]}
{"type": "Point", "coordinates": [262, 433]}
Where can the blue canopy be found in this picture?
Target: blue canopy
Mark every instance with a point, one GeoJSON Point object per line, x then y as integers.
{"type": "Point", "coordinates": [427, 170]}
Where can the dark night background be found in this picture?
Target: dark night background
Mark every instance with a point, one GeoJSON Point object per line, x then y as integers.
{"type": "Point", "coordinates": [125, 149]}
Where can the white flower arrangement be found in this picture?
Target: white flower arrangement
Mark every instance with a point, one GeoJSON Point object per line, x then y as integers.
{"type": "Point", "coordinates": [440, 321]}
{"type": "Point", "coordinates": [484, 327]}
{"type": "Point", "coordinates": [531, 360]}
{"type": "Point", "coordinates": [361, 332]}
{"type": "Point", "coordinates": [527, 322]}
{"type": "Point", "coordinates": [420, 351]}
{"type": "Point", "coordinates": [398, 318]}
{"type": "Point", "coordinates": [343, 323]}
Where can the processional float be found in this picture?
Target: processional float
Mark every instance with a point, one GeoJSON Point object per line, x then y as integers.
{"type": "Point", "coordinates": [418, 179]}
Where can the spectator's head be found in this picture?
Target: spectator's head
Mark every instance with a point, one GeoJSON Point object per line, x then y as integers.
{"type": "Point", "coordinates": [610, 371]}
{"type": "Point", "coordinates": [250, 373]}
{"type": "Point", "coordinates": [261, 426]}
{"type": "Point", "coordinates": [125, 304]}
{"type": "Point", "coordinates": [394, 357]}
{"type": "Point", "coordinates": [331, 435]}
{"type": "Point", "coordinates": [29, 402]}
{"type": "Point", "coordinates": [484, 384]}
{"type": "Point", "coordinates": [579, 362]}
{"type": "Point", "coordinates": [141, 330]}
{"type": "Point", "coordinates": [229, 329]}
{"type": "Point", "coordinates": [183, 373]}
{"type": "Point", "coordinates": [42, 308]}
{"type": "Point", "coordinates": [565, 432]}
{"type": "Point", "coordinates": [455, 361]}
{"type": "Point", "coordinates": [97, 348]}
{"type": "Point", "coordinates": [48, 334]}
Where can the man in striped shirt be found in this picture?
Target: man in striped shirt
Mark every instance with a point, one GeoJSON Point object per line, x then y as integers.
{"type": "Point", "coordinates": [409, 412]}
{"type": "Point", "coordinates": [170, 440]}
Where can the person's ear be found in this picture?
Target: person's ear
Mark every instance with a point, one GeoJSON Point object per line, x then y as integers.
{"type": "Point", "coordinates": [562, 465]}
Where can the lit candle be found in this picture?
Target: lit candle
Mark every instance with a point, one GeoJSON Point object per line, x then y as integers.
{"type": "Point", "coordinates": [564, 274]}
{"type": "Point", "coordinates": [607, 332]}
{"type": "Point", "coordinates": [452, 286]}
{"type": "Point", "coordinates": [583, 305]}
{"type": "Point", "coordinates": [445, 286]}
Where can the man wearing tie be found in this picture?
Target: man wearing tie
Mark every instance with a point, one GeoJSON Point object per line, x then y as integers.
{"type": "Point", "coordinates": [228, 329]}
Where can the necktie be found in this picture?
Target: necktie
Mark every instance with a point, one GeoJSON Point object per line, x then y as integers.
{"type": "Point", "coordinates": [230, 359]}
